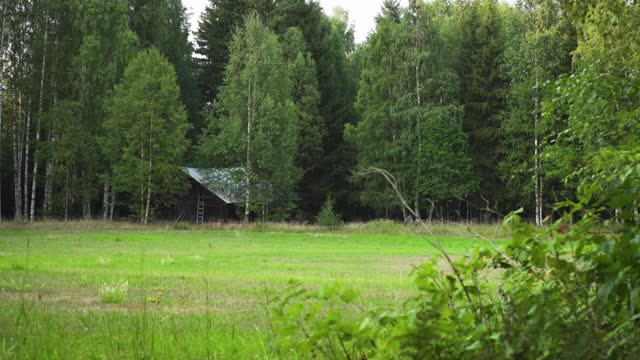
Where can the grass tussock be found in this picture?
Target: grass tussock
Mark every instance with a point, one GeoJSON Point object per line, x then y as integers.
{"type": "Point", "coordinates": [113, 293]}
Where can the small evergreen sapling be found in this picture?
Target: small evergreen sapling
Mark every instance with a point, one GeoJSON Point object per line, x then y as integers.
{"type": "Point", "coordinates": [327, 216]}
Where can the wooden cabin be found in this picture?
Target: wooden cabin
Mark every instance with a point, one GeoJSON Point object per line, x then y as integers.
{"type": "Point", "coordinates": [213, 196]}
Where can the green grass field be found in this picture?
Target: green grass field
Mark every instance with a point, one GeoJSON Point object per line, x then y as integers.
{"type": "Point", "coordinates": [191, 294]}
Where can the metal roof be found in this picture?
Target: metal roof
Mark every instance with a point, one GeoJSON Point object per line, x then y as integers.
{"type": "Point", "coordinates": [224, 183]}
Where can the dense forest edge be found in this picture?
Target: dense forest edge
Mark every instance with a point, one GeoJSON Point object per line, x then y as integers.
{"type": "Point", "coordinates": [476, 108]}
{"type": "Point", "coordinates": [450, 110]}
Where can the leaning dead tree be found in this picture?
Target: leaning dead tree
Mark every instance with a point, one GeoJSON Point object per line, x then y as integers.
{"type": "Point", "coordinates": [432, 238]}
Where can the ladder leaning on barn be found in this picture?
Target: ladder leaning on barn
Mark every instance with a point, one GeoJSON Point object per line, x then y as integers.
{"type": "Point", "coordinates": [200, 208]}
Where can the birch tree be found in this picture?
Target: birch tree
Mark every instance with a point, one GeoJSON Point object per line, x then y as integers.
{"type": "Point", "coordinates": [146, 133]}
{"type": "Point", "coordinates": [107, 45]}
{"type": "Point", "coordinates": [2, 60]}
{"type": "Point", "coordinates": [254, 123]}
{"type": "Point", "coordinates": [539, 52]}
{"type": "Point", "coordinates": [44, 31]}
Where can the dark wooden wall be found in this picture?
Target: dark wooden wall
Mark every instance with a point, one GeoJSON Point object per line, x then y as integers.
{"type": "Point", "coordinates": [185, 206]}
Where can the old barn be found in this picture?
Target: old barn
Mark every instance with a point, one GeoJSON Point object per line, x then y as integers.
{"type": "Point", "coordinates": [212, 196]}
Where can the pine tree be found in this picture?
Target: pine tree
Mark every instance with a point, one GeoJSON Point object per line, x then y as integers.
{"type": "Point", "coordinates": [377, 134]}
{"type": "Point", "coordinates": [328, 42]}
{"type": "Point", "coordinates": [217, 24]}
{"type": "Point", "coordinates": [483, 90]}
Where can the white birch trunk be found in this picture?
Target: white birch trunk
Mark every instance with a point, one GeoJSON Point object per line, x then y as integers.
{"type": "Point", "coordinates": [419, 120]}
{"type": "Point", "coordinates": [1, 94]}
{"type": "Point", "coordinates": [35, 160]}
{"type": "Point", "coordinates": [248, 170]}
{"type": "Point", "coordinates": [146, 211]}
{"type": "Point", "coordinates": [25, 180]}
{"type": "Point", "coordinates": [17, 159]}
{"type": "Point", "coordinates": [141, 182]}
{"type": "Point", "coordinates": [536, 154]}
{"type": "Point", "coordinates": [48, 185]}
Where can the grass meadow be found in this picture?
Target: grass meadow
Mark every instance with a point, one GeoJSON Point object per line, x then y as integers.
{"type": "Point", "coordinates": [119, 291]}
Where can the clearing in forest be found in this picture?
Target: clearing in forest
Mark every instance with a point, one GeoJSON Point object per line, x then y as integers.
{"type": "Point", "coordinates": [177, 294]}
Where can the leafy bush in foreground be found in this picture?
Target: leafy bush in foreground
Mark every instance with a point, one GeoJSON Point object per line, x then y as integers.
{"type": "Point", "coordinates": [566, 291]}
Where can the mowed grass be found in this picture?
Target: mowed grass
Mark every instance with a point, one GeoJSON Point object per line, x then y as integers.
{"type": "Point", "coordinates": [192, 294]}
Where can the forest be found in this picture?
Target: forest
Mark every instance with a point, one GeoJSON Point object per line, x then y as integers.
{"type": "Point", "coordinates": [505, 135]}
{"type": "Point", "coordinates": [471, 105]}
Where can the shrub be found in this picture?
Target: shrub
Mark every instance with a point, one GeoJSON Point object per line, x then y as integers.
{"type": "Point", "coordinates": [558, 292]}
{"type": "Point", "coordinates": [327, 216]}
{"type": "Point", "coordinates": [113, 293]}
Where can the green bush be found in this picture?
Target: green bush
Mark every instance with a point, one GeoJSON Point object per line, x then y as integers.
{"type": "Point", "coordinates": [327, 216]}
{"type": "Point", "coordinates": [561, 292]}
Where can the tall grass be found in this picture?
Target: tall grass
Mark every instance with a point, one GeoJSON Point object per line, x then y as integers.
{"type": "Point", "coordinates": [386, 227]}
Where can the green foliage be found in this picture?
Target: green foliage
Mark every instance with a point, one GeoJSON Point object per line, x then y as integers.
{"type": "Point", "coordinates": [566, 291]}
{"type": "Point", "coordinates": [481, 38]}
{"type": "Point", "coordinates": [411, 122]}
{"type": "Point", "coordinates": [327, 216]}
{"type": "Point", "coordinates": [254, 122]}
{"type": "Point", "coordinates": [215, 32]}
{"type": "Point", "coordinates": [596, 106]}
{"type": "Point", "coordinates": [164, 25]}
{"type": "Point", "coordinates": [145, 132]}
{"type": "Point", "coordinates": [306, 96]}
{"type": "Point", "coordinates": [328, 42]}
{"type": "Point", "coordinates": [309, 324]}
{"type": "Point", "coordinates": [537, 55]}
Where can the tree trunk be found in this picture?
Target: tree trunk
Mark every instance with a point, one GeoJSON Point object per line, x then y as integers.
{"type": "Point", "coordinates": [35, 160]}
{"type": "Point", "coordinates": [141, 184]}
{"type": "Point", "coordinates": [146, 211]}
{"type": "Point", "coordinates": [86, 207]}
{"type": "Point", "coordinates": [113, 204]}
{"type": "Point", "coordinates": [419, 119]}
{"type": "Point", "coordinates": [248, 170]}
{"type": "Point", "coordinates": [86, 201]}
{"type": "Point", "coordinates": [536, 154]}
{"type": "Point", "coordinates": [17, 158]}
{"type": "Point", "coordinates": [25, 180]}
{"type": "Point", "coordinates": [105, 201]}
{"type": "Point", "coordinates": [48, 183]}
{"type": "Point", "coordinates": [1, 94]}
{"type": "Point", "coordinates": [66, 197]}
